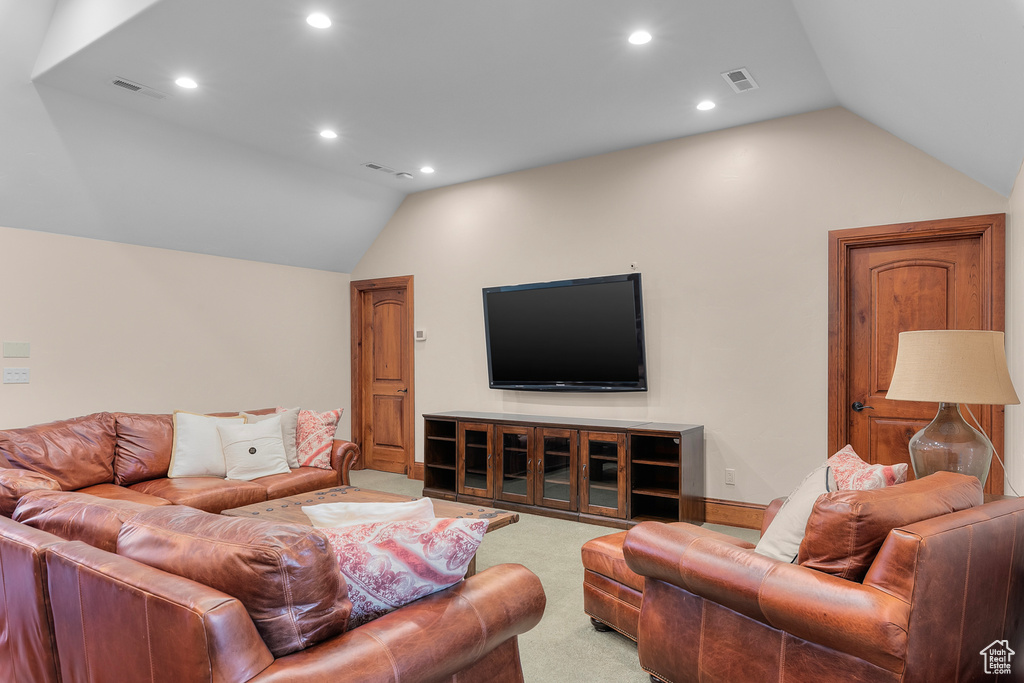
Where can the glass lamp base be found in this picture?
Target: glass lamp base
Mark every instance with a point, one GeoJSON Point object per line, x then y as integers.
{"type": "Point", "coordinates": [949, 444]}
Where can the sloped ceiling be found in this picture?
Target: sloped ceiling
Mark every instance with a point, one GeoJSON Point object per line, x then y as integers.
{"type": "Point", "coordinates": [236, 167]}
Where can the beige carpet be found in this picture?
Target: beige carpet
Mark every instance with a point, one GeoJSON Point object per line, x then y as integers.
{"type": "Point", "coordinates": [564, 647]}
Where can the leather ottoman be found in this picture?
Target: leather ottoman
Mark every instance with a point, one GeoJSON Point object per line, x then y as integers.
{"type": "Point", "coordinates": [612, 592]}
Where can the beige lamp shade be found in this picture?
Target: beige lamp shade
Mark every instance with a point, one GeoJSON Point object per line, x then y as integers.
{"type": "Point", "coordinates": [952, 366]}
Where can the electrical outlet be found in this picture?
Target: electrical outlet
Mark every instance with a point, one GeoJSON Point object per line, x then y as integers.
{"type": "Point", "coordinates": [730, 476]}
{"type": "Point", "coordinates": [15, 375]}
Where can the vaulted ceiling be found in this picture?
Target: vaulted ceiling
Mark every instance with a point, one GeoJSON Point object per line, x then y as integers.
{"type": "Point", "coordinates": [470, 88]}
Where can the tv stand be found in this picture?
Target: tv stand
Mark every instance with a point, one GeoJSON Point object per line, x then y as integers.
{"type": "Point", "coordinates": [611, 472]}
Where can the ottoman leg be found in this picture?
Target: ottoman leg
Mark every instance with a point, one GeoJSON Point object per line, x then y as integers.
{"type": "Point", "coordinates": [600, 626]}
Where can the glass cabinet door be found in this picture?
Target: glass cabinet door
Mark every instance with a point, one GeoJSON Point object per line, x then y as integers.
{"type": "Point", "coordinates": [603, 474]}
{"type": "Point", "coordinates": [475, 473]}
{"type": "Point", "coordinates": [556, 468]}
{"type": "Point", "coordinates": [515, 464]}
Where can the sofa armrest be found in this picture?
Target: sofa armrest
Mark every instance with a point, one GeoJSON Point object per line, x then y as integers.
{"type": "Point", "coordinates": [344, 455]}
{"type": "Point", "coordinates": [127, 620]}
{"type": "Point", "coordinates": [846, 616]}
{"type": "Point", "coordinates": [770, 512]}
{"type": "Point", "coordinates": [16, 483]}
{"type": "Point", "coordinates": [430, 639]}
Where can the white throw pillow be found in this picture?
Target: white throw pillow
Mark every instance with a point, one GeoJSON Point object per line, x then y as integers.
{"type": "Point", "coordinates": [289, 423]}
{"type": "Point", "coordinates": [253, 450]}
{"type": "Point", "coordinates": [196, 451]}
{"type": "Point", "coordinates": [337, 515]}
{"type": "Point", "coordinates": [781, 540]}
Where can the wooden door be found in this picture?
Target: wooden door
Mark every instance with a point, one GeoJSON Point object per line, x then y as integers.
{"type": "Point", "coordinates": [514, 478]}
{"type": "Point", "coordinates": [556, 465]}
{"type": "Point", "coordinates": [475, 461]}
{"type": "Point", "coordinates": [382, 373]}
{"type": "Point", "coordinates": [884, 280]}
{"type": "Point", "coordinates": [603, 474]}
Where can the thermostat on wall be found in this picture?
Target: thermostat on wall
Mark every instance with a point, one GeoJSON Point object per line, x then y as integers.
{"type": "Point", "coordinates": [421, 335]}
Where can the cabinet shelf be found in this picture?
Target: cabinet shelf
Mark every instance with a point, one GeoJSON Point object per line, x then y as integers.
{"type": "Point", "coordinates": [604, 487]}
{"type": "Point", "coordinates": [439, 466]}
{"type": "Point", "coordinates": [554, 480]}
{"type": "Point", "coordinates": [561, 454]}
{"type": "Point", "coordinates": [653, 518]}
{"type": "Point", "coordinates": [606, 458]}
{"type": "Point", "coordinates": [507, 475]}
{"type": "Point", "coordinates": [659, 492]}
{"type": "Point", "coordinates": [656, 463]}
{"type": "Point", "coordinates": [441, 438]}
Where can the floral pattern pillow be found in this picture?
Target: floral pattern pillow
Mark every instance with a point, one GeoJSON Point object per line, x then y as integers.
{"type": "Point", "coordinates": [390, 564]}
{"type": "Point", "coordinates": [315, 436]}
{"type": "Point", "coordinates": [853, 474]}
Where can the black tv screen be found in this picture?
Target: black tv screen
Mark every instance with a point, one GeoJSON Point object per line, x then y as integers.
{"type": "Point", "coordinates": [570, 335]}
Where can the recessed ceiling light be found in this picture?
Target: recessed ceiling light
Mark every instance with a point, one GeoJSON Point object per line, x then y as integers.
{"type": "Point", "coordinates": [639, 37]}
{"type": "Point", "coordinates": [426, 169]}
{"type": "Point", "coordinates": [329, 134]}
{"type": "Point", "coordinates": [186, 82]}
{"type": "Point", "coordinates": [318, 20]}
{"type": "Point", "coordinates": [705, 105]}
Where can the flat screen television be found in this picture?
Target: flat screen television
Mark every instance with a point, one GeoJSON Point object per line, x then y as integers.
{"type": "Point", "coordinates": [570, 335]}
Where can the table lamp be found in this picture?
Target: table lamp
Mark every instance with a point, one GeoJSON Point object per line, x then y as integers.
{"type": "Point", "coordinates": [951, 367]}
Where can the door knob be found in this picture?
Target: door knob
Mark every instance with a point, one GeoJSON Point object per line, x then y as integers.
{"type": "Point", "coordinates": [858, 406]}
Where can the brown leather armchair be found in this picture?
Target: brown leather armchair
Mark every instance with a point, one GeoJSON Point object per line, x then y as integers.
{"type": "Point", "coordinates": [936, 594]}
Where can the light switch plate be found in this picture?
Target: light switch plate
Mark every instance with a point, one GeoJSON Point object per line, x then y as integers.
{"type": "Point", "coordinates": [421, 334]}
{"type": "Point", "coordinates": [15, 375]}
{"type": "Point", "coordinates": [16, 349]}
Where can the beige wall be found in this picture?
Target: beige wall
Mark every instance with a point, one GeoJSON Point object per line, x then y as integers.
{"type": "Point", "coordinates": [1014, 445]}
{"type": "Point", "coordinates": [120, 327]}
{"type": "Point", "coordinates": [729, 230]}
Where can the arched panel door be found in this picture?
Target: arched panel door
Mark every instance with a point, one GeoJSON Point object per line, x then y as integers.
{"type": "Point", "coordinates": [383, 407]}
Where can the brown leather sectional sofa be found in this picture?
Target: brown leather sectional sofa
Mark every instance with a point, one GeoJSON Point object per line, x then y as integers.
{"type": "Point", "coordinates": [106, 580]}
{"type": "Point", "coordinates": [125, 456]}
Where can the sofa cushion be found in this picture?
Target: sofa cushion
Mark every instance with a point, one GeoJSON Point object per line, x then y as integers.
{"type": "Point", "coordinates": [302, 480]}
{"type": "Point", "coordinates": [16, 483]}
{"type": "Point", "coordinates": [289, 426]}
{"type": "Point", "coordinates": [315, 435]}
{"type": "Point", "coordinates": [77, 516]}
{"type": "Point", "coordinates": [781, 540]}
{"type": "Point", "coordinates": [390, 564]}
{"type": "Point", "coordinates": [76, 453]}
{"type": "Point", "coordinates": [143, 447]}
{"type": "Point", "coordinates": [846, 528]}
{"type": "Point", "coordinates": [197, 450]}
{"type": "Point", "coordinates": [853, 474]}
{"type": "Point", "coordinates": [285, 574]}
{"type": "Point", "coordinates": [337, 515]}
{"type": "Point", "coordinates": [115, 492]}
{"type": "Point", "coordinates": [253, 450]}
{"type": "Point", "coordinates": [205, 493]}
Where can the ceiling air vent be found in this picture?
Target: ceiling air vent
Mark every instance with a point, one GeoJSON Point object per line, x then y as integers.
{"type": "Point", "coordinates": [138, 88]}
{"type": "Point", "coordinates": [740, 80]}
{"type": "Point", "coordinates": [379, 167]}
